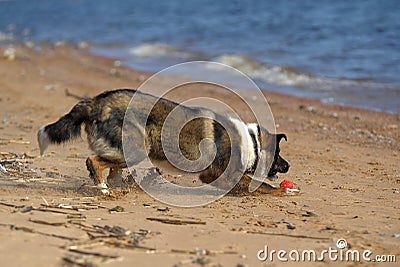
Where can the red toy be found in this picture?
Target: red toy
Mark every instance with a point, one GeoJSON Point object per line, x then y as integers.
{"type": "Point", "coordinates": [286, 184]}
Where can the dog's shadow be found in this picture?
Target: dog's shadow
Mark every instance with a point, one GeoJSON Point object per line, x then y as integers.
{"type": "Point", "coordinates": [245, 187]}
{"type": "Point", "coordinates": [166, 182]}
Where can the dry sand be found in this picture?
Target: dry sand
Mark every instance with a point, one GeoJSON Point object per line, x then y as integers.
{"type": "Point", "coordinates": [344, 160]}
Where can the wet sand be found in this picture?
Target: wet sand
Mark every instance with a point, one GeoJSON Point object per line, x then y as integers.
{"type": "Point", "coordinates": [344, 161]}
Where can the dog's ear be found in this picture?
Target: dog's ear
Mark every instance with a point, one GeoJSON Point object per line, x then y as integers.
{"type": "Point", "coordinates": [280, 136]}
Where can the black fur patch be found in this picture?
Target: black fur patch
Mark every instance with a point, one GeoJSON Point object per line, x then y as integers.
{"type": "Point", "coordinates": [111, 128]}
{"type": "Point", "coordinates": [255, 148]}
{"type": "Point", "coordinates": [114, 92]}
{"type": "Point", "coordinates": [69, 125]}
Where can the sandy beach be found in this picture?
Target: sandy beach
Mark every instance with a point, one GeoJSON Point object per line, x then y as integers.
{"type": "Point", "coordinates": [344, 160]}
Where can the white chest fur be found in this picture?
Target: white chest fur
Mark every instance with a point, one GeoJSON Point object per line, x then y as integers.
{"type": "Point", "coordinates": [248, 153]}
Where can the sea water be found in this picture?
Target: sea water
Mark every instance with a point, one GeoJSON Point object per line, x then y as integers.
{"type": "Point", "coordinates": [345, 52]}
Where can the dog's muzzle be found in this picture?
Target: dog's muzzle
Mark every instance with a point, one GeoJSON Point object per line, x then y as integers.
{"type": "Point", "coordinates": [281, 166]}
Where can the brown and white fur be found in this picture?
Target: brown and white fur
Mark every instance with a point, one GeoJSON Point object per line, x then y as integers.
{"type": "Point", "coordinates": [102, 117]}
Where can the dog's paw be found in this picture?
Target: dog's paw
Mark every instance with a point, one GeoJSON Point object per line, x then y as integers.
{"type": "Point", "coordinates": [103, 188]}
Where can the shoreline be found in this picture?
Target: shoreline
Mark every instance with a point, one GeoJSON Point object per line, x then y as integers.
{"type": "Point", "coordinates": [343, 159]}
{"type": "Point", "coordinates": [263, 88]}
{"type": "Point", "coordinates": [284, 79]}
{"type": "Point", "coordinates": [85, 49]}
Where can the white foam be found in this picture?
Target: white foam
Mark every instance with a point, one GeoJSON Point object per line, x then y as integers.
{"type": "Point", "coordinates": [154, 49]}
{"type": "Point", "coordinates": [6, 37]}
{"type": "Point", "coordinates": [280, 75]}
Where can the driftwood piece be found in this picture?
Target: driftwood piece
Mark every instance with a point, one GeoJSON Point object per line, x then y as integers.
{"type": "Point", "coordinates": [48, 223]}
{"type": "Point", "coordinates": [14, 141]}
{"type": "Point", "coordinates": [33, 231]}
{"type": "Point", "coordinates": [289, 235]}
{"type": "Point", "coordinates": [69, 94]}
{"type": "Point", "coordinates": [175, 221]}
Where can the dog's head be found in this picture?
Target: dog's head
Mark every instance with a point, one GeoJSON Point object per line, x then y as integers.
{"type": "Point", "coordinates": [268, 151]}
{"type": "Point", "coordinates": [279, 164]}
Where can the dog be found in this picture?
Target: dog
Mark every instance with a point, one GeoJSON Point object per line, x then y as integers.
{"type": "Point", "coordinates": [103, 119]}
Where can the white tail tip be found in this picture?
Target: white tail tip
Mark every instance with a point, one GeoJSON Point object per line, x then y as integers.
{"type": "Point", "coordinates": [43, 140]}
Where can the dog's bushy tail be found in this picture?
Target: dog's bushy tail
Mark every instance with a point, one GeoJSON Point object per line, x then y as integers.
{"type": "Point", "coordinates": [67, 127]}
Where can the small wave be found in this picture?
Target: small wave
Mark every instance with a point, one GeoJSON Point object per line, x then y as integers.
{"type": "Point", "coordinates": [276, 74]}
{"type": "Point", "coordinates": [6, 37]}
{"type": "Point", "coordinates": [159, 50]}
{"type": "Point", "coordinates": [293, 77]}
{"type": "Point", "coordinates": [269, 73]}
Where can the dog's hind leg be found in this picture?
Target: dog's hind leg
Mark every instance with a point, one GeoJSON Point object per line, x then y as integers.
{"type": "Point", "coordinates": [115, 177]}
{"type": "Point", "coordinates": [96, 166]}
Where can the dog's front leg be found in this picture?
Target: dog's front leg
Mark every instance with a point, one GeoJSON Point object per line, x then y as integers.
{"type": "Point", "coordinates": [96, 166]}
{"type": "Point", "coordinates": [114, 178]}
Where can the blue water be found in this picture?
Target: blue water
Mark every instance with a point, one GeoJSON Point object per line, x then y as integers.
{"type": "Point", "coordinates": [345, 52]}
